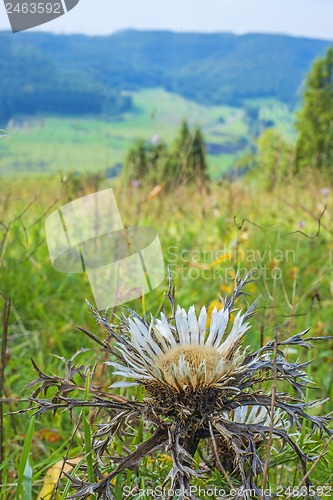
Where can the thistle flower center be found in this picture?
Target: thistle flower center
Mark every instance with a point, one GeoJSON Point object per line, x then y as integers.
{"type": "Point", "coordinates": [189, 365]}
{"type": "Point", "coordinates": [193, 355]}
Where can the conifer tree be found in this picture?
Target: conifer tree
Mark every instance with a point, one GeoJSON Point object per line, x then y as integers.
{"type": "Point", "coordinates": [199, 154]}
{"type": "Point", "coordinates": [182, 162]}
{"type": "Point", "coordinates": [189, 154]}
{"type": "Point", "coordinates": [135, 167]}
{"type": "Point", "coordinates": [314, 146]}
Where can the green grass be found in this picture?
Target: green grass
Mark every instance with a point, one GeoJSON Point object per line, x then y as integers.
{"type": "Point", "coordinates": [194, 229]}
{"type": "Point", "coordinates": [59, 145]}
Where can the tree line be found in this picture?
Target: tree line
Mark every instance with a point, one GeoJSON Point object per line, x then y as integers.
{"type": "Point", "coordinates": [185, 159]}
{"type": "Point", "coordinates": [31, 83]}
{"type": "Point", "coordinates": [313, 147]}
{"type": "Point", "coordinates": [153, 162]}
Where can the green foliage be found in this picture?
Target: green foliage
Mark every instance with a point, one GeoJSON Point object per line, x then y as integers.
{"type": "Point", "coordinates": [188, 154]}
{"type": "Point", "coordinates": [24, 478]}
{"type": "Point", "coordinates": [315, 119]}
{"type": "Point", "coordinates": [145, 161]}
{"type": "Point", "coordinates": [276, 157]}
{"type": "Point", "coordinates": [154, 163]}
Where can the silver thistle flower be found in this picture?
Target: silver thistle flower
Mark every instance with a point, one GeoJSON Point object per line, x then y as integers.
{"type": "Point", "coordinates": [202, 387]}
{"type": "Point", "coordinates": [185, 356]}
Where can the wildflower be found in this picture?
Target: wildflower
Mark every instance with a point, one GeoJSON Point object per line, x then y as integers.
{"type": "Point", "coordinates": [293, 273]}
{"type": "Point", "coordinates": [325, 191]}
{"type": "Point", "coordinates": [183, 357]}
{"type": "Point", "coordinates": [202, 387]}
{"type": "Point", "coordinates": [155, 140]}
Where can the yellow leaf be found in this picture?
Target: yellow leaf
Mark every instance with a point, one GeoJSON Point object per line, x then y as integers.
{"type": "Point", "coordinates": [155, 192]}
{"type": "Point", "coordinates": [50, 435]}
{"type": "Point", "coordinates": [52, 476]}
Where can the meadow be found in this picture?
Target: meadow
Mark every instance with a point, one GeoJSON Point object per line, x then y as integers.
{"type": "Point", "coordinates": [59, 145]}
{"type": "Point", "coordinates": [284, 235]}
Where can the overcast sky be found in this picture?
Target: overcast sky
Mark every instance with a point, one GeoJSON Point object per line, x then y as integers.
{"type": "Point", "coordinates": [311, 18]}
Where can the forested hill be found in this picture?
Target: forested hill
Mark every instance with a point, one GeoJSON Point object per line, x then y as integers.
{"type": "Point", "coordinates": [41, 72]}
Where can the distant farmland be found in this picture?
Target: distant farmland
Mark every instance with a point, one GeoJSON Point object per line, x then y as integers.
{"type": "Point", "coordinates": [97, 144]}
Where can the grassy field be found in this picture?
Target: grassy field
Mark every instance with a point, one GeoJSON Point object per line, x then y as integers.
{"type": "Point", "coordinates": [59, 145]}
{"type": "Point", "coordinates": [283, 235]}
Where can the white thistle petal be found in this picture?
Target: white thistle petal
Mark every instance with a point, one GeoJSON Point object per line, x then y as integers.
{"type": "Point", "coordinates": [222, 326]}
{"type": "Point", "coordinates": [218, 324]}
{"type": "Point", "coordinates": [240, 414]}
{"type": "Point", "coordinates": [133, 358]}
{"type": "Point", "coordinates": [237, 332]}
{"type": "Point", "coordinates": [159, 338]}
{"type": "Point", "coordinates": [139, 346]}
{"type": "Point", "coordinates": [261, 414]}
{"type": "Point", "coordinates": [213, 327]}
{"type": "Point", "coordinates": [182, 326]}
{"type": "Point", "coordinates": [202, 321]}
{"type": "Point", "coordinates": [147, 339]}
{"type": "Point", "coordinates": [194, 326]}
{"type": "Point", "coordinates": [123, 384]}
{"type": "Point", "coordinates": [128, 374]}
{"type": "Point", "coordinates": [164, 327]}
{"type": "Point", "coordinates": [129, 369]}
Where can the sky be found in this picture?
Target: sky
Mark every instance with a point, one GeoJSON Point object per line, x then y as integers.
{"type": "Point", "coordinates": [310, 18]}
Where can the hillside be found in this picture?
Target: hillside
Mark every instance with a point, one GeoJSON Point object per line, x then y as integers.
{"type": "Point", "coordinates": [76, 74]}
{"type": "Point", "coordinates": [95, 144]}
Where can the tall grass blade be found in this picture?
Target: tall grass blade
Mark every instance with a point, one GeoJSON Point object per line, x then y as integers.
{"type": "Point", "coordinates": [25, 458]}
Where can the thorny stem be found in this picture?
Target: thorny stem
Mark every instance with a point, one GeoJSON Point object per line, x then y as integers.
{"type": "Point", "coordinates": [55, 492]}
{"type": "Point", "coordinates": [219, 465]}
{"type": "Point", "coordinates": [271, 424]}
{"type": "Point", "coordinates": [142, 450]}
